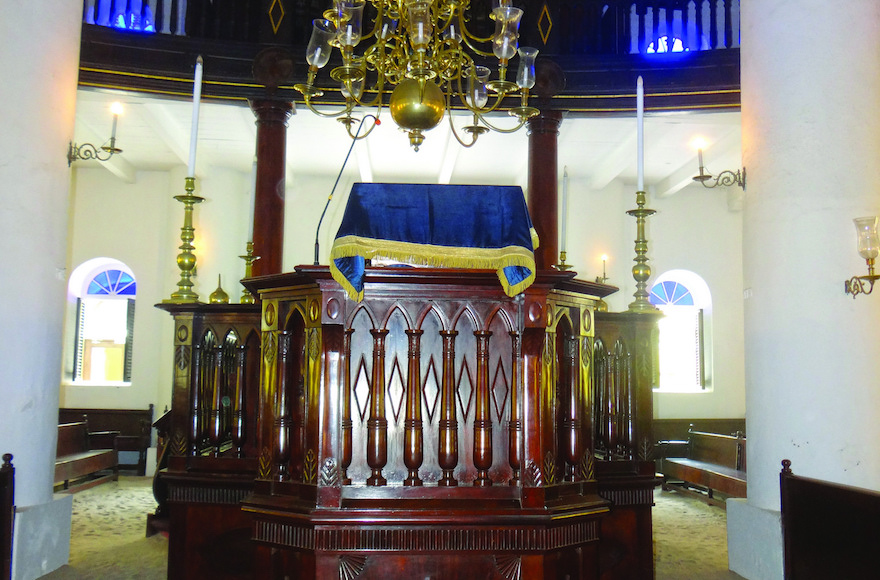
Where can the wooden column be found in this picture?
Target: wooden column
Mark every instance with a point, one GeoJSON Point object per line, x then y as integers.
{"type": "Point", "coordinates": [268, 239]}
{"type": "Point", "coordinates": [542, 198]}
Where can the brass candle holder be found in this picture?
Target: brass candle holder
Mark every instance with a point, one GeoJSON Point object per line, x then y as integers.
{"type": "Point", "coordinates": [641, 271]}
{"type": "Point", "coordinates": [186, 259]}
{"type": "Point", "coordinates": [249, 259]}
{"type": "Point", "coordinates": [562, 266]}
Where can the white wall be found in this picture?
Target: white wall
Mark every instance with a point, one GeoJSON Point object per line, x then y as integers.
{"type": "Point", "coordinates": [693, 229]}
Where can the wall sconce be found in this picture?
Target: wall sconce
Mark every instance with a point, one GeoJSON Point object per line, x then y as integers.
{"type": "Point", "coordinates": [725, 178]}
{"type": "Point", "coordinates": [88, 151]}
{"type": "Point", "coordinates": [869, 248]}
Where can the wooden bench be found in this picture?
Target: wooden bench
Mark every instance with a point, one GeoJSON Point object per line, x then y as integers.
{"type": "Point", "coordinates": [829, 530]}
{"type": "Point", "coordinates": [713, 462]}
{"type": "Point", "coordinates": [81, 457]}
{"type": "Point", "coordinates": [134, 427]}
{"type": "Point", "coordinates": [7, 515]}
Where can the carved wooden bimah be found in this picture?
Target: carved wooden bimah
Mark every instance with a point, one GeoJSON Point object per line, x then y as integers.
{"type": "Point", "coordinates": [211, 457]}
{"type": "Point", "coordinates": [437, 429]}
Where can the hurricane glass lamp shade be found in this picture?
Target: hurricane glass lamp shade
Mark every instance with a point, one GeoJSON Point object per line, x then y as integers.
{"type": "Point", "coordinates": [351, 22]}
{"type": "Point", "coordinates": [525, 75]}
{"type": "Point", "coordinates": [504, 42]}
{"type": "Point", "coordinates": [419, 23]}
{"type": "Point", "coordinates": [478, 95]}
{"type": "Point", "coordinates": [318, 50]}
{"type": "Point", "coordinates": [389, 26]}
{"type": "Point", "coordinates": [869, 241]}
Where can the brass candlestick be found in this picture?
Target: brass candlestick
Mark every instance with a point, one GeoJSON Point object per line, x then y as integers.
{"type": "Point", "coordinates": [186, 260]}
{"type": "Point", "coordinates": [641, 271]}
{"type": "Point", "coordinates": [562, 265]}
{"type": "Point", "coordinates": [249, 259]}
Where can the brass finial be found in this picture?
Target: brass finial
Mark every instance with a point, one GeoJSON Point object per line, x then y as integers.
{"type": "Point", "coordinates": [219, 296]}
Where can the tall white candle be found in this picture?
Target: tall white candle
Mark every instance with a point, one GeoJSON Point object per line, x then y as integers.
{"type": "Point", "coordinates": [564, 206]}
{"type": "Point", "coordinates": [194, 135]}
{"type": "Point", "coordinates": [640, 119]}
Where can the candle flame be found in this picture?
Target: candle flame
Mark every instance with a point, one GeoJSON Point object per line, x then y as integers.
{"type": "Point", "coordinates": [116, 108]}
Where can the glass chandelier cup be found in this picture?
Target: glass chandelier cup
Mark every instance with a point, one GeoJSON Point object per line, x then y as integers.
{"type": "Point", "coordinates": [318, 50]}
{"type": "Point", "coordinates": [504, 42]}
{"type": "Point", "coordinates": [869, 241]}
{"type": "Point", "coordinates": [419, 24]}
{"type": "Point", "coordinates": [351, 22]}
{"type": "Point", "coordinates": [525, 74]}
{"type": "Point", "coordinates": [477, 95]}
{"type": "Point", "coordinates": [389, 26]}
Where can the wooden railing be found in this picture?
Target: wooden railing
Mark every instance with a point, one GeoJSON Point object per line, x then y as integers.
{"type": "Point", "coordinates": [573, 27]}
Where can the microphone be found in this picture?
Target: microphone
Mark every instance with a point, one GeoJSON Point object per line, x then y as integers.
{"type": "Point", "coordinates": [376, 121]}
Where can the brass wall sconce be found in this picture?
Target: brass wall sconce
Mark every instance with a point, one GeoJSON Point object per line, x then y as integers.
{"type": "Point", "coordinates": [725, 178]}
{"type": "Point", "coordinates": [88, 151]}
{"type": "Point", "coordinates": [869, 248]}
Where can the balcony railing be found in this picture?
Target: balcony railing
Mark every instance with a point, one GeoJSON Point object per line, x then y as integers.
{"type": "Point", "coordinates": [570, 27]}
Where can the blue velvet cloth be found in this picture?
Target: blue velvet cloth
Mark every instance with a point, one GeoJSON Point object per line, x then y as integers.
{"type": "Point", "coordinates": [464, 226]}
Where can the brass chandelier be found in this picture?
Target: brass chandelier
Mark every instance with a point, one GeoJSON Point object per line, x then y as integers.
{"type": "Point", "coordinates": [423, 54]}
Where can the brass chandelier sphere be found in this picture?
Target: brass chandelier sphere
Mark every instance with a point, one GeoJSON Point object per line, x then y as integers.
{"type": "Point", "coordinates": [417, 106]}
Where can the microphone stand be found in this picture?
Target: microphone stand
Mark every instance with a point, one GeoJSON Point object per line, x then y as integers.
{"type": "Point", "coordinates": [332, 191]}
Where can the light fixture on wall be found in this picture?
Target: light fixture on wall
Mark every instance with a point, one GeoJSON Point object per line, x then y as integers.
{"type": "Point", "coordinates": [422, 61]}
{"type": "Point", "coordinates": [725, 178]}
{"type": "Point", "coordinates": [87, 151]}
{"type": "Point", "coordinates": [869, 249]}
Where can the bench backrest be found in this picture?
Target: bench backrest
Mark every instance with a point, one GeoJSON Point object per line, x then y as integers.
{"type": "Point", "coordinates": [129, 422]}
{"type": "Point", "coordinates": [7, 515]}
{"type": "Point", "coordinates": [725, 450]}
{"type": "Point", "coordinates": [829, 530]}
{"type": "Point", "coordinates": [72, 438]}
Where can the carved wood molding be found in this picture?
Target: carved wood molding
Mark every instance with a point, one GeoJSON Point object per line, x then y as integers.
{"type": "Point", "coordinates": [343, 538]}
{"type": "Point", "coordinates": [206, 495]}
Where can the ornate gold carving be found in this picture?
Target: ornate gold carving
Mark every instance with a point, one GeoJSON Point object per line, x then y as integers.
{"type": "Point", "coordinates": [351, 566]}
{"type": "Point", "coordinates": [270, 314]}
{"type": "Point", "coordinates": [548, 353]}
{"type": "Point", "coordinates": [587, 466]}
{"type": "Point", "coordinates": [182, 333]}
{"type": "Point", "coordinates": [314, 310]}
{"type": "Point", "coordinates": [310, 467]}
{"type": "Point", "coordinates": [181, 357]}
{"type": "Point", "coordinates": [532, 477]}
{"type": "Point", "coordinates": [269, 342]}
{"type": "Point", "coordinates": [329, 473]}
{"type": "Point", "coordinates": [586, 350]}
{"type": "Point", "coordinates": [550, 468]}
{"type": "Point", "coordinates": [178, 444]}
{"type": "Point", "coordinates": [587, 320]}
{"type": "Point", "coordinates": [265, 468]}
{"type": "Point", "coordinates": [314, 347]}
{"type": "Point", "coordinates": [509, 566]}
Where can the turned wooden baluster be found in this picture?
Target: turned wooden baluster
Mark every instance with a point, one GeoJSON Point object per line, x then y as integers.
{"type": "Point", "coordinates": [515, 434]}
{"type": "Point", "coordinates": [377, 426]}
{"type": "Point", "coordinates": [296, 395]}
{"type": "Point", "coordinates": [448, 425]}
{"type": "Point", "coordinates": [571, 423]}
{"type": "Point", "coordinates": [628, 442]}
{"type": "Point", "coordinates": [282, 413]}
{"type": "Point", "coordinates": [195, 433]}
{"type": "Point", "coordinates": [482, 416]}
{"type": "Point", "coordinates": [413, 453]}
{"type": "Point", "coordinates": [345, 460]}
{"type": "Point", "coordinates": [215, 423]}
{"type": "Point", "coordinates": [239, 411]}
{"type": "Point", "coordinates": [611, 406]}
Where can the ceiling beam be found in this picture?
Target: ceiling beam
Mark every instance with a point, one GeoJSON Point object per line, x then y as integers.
{"type": "Point", "coordinates": [175, 137]}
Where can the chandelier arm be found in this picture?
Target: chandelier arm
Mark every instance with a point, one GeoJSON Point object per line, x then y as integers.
{"type": "Point", "coordinates": [466, 34]}
{"type": "Point", "coordinates": [455, 132]}
{"type": "Point", "coordinates": [348, 108]}
{"type": "Point", "coordinates": [499, 129]}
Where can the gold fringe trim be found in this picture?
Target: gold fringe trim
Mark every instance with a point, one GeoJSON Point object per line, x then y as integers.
{"type": "Point", "coordinates": [436, 256]}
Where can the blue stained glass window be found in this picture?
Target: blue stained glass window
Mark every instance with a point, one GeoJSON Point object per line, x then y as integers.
{"type": "Point", "coordinates": [672, 293]}
{"type": "Point", "coordinates": [112, 283]}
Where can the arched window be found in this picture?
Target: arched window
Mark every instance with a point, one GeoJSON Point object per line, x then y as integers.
{"type": "Point", "coordinates": [684, 299]}
{"type": "Point", "coordinates": [104, 290]}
